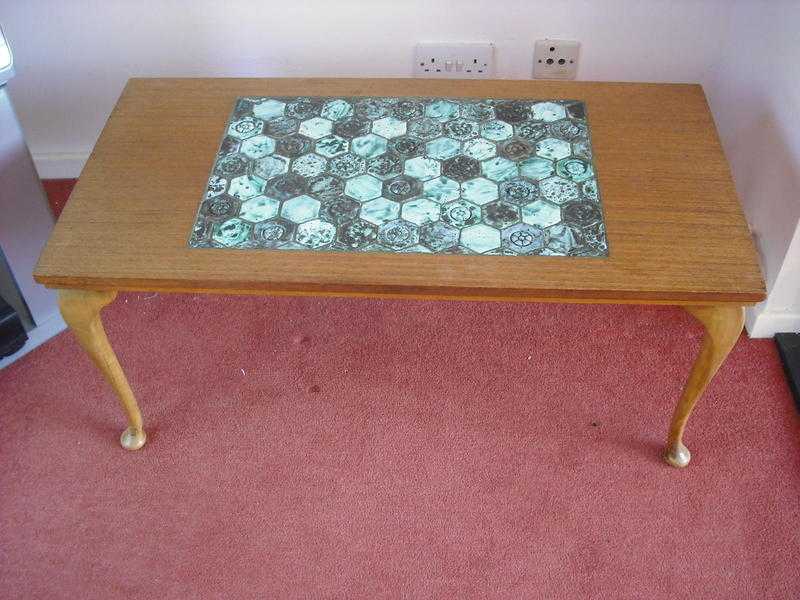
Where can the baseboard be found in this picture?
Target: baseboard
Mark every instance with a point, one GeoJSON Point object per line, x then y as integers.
{"type": "Point", "coordinates": [54, 165]}
{"type": "Point", "coordinates": [767, 324]}
{"type": "Point", "coordinates": [36, 337]}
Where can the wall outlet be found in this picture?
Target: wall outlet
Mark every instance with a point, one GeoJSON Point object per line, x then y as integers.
{"type": "Point", "coordinates": [555, 59]}
{"type": "Point", "coordinates": [454, 61]}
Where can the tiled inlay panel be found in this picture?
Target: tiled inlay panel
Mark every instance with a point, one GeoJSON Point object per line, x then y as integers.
{"type": "Point", "coordinates": [434, 175]}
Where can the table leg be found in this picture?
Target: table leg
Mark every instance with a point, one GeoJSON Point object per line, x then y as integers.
{"type": "Point", "coordinates": [723, 326]}
{"type": "Point", "coordinates": [81, 311]}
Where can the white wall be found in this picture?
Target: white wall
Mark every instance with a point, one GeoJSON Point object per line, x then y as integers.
{"type": "Point", "coordinates": [755, 94]}
{"type": "Point", "coordinates": [74, 57]}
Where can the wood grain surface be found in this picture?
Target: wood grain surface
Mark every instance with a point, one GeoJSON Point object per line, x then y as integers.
{"type": "Point", "coordinates": [675, 227]}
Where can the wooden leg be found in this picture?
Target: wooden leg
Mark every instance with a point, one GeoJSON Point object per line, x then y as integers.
{"type": "Point", "coordinates": [81, 311]}
{"type": "Point", "coordinates": [723, 326]}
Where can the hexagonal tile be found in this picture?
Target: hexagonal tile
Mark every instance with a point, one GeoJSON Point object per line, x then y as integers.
{"type": "Point", "coordinates": [221, 206]}
{"type": "Point", "coordinates": [245, 128]}
{"type": "Point", "coordinates": [270, 166]}
{"type": "Point", "coordinates": [531, 131]}
{"type": "Point", "coordinates": [477, 111]}
{"type": "Point", "coordinates": [309, 165]}
{"type": "Point", "coordinates": [258, 209]}
{"type": "Point", "coordinates": [499, 168]}
{"type": "Point", "coordinates": [461, 129]}
{"type": "Point", "coordinates": [441, 189]}
{"type": "Point", "coordinates": [286, 186]}
{"type": "Point", "coordinates": [398, 234]}
{"type": "Point", "coordinates": [303, 108]}
{"type": "Point", "coordinates": [389, 127]}
{"type": "Point", "coordinates": [346, 165]}
{"type": "Point", "coordinates": [480, 238]}
{"type": "Point", "coordinates": [372, 108]}
{"type": "Point", "coordinates": [421, 211]}
{"type": "Point", "coordinates": [442, 110]}
{"type": "Point", "coordinates": [515, 149]}
{"type": "Point", "coordinates": [216, 186]}
{"type": "Point", "coordinates": [351, 128]}
{"type": "Point", "coordinates": [273, 233]}
{"type": "Point", "coordinates": [460, 213]}
{"type": "Point", "coordinates": [281, 127]}
{"type": "Point", "coordinates": [406, 109]}
{"type": "Point", "coordinates": [385, 166]}
{"type": "Point", "coordinates": [231, 165]}
{"type": "Point", "coordinates": [438, 236]}
{"type": "Point", "coordinates": [407, 146]}
{"type": "Point", "coordinates": [336, 110]}
{"type": "Point", "coordinates": [569, 130]}
{"type": "Point", "coordinates": [315, 234]}
{"type": "Point", "coordinates": [300, 209]}
{"type": "Point", "coordinates": [479, 190]}
{"type": "Point", "coordinates": [541, 213]}
{"type": "Point", "coordinates": [576, 169]}
{"type": "Point", "coordinates": [582, 150]}
{"type": "Point", "coordinates": [480, 149]}
{"type": "Point", "coordinates": [244, 187]}
{"type": "Point", "coordinates": [293, 146]}
{"type": "Point", "coordinates": [332, 145]}
{"type": "Point", "coordinates": [524, 239]}
{"type": "Point", "coordinates": [422, 168]}
{"type": "Point", "coordinates": [461, 168]}
{"type": "Point", "coordinates": [325, 187]}
{"type": "Point", "coordinates": [229, 146]}
{"type": "Point", "coordinates": [401, 188]}
{"type": "Point", "coordinates": [518, 191]}
{"type": "Point", "coordinates": [258, 146]}
{"type": "Point", "coordinates": [536, 168]}
{"type": "Point", "coordinates": [442, 148]}
{"type": "Point", "coordinates": [269, 109]}
{"type": "Point", "coordinates": [369, 146]}
{"type": "Point", "coordinates": [339, 210]}
{"type": "Point", "coordinates": [500, 214]}
{"type": "Point", "coordinates": [581, 214]}
{"type": "Point", "coordinates": [497, 131]}
{"type": "Point", "coordinates": [561, 239]}
{"type": "Point", "coordinates": [231, 232]}
{"type": "Point", "coordinates": [548, 111]}
{"type": "Point", "coordinates": [363, 188]}
{"type": "Point", "coordinates": [513, 111]}
{"type": "Point", "coordinates": [589, 190]}
{"type": "Point", "coordinates": [357, 234]}
{"type": "Point", "coordinates": [380, 211]}
{"type": "Point", "coordinates": [553, 148]}
{"type": "Point", "coordinates": [558, 190]}
{"type": "Point", "coordinates": [316, 128]}
{"type": "Point", "coordinates": [425, 129]}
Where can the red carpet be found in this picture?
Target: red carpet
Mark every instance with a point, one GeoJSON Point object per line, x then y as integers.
{"type": "Point", "coordinates": [327, 448]}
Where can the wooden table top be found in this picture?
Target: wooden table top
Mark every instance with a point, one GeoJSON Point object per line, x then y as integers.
{"type": "Point", "coordinates": [675, 228]}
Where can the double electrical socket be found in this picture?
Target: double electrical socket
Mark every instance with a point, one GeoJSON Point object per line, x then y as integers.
{"type": "Point", "coordinates": [454, 61]}
{"type": "Point", "coordinates": [555, 59]}
{"type": "Point", "coordinates": [552, 59]}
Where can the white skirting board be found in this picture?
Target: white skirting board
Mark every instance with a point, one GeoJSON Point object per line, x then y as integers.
{"type": "Point", "coordinates": [66, 165]}
{"type": "Point", "coordinates": [767, 324]}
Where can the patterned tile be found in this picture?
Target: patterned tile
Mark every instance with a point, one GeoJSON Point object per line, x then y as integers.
{"type": "Point", "coordinates": [442, 175]}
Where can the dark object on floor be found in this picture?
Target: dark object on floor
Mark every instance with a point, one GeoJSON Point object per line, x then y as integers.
{"type": "Point", "coordinates": [12, 333]}
{"type": "Point", "coordinates": [789, 350]}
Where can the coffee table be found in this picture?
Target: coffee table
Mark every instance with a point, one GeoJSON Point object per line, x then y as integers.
{"type": "Point", "coordinates": [675, 228]}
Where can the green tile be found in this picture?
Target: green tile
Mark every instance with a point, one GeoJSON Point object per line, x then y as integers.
{"type": "Point", "coordinates": [372, 174]}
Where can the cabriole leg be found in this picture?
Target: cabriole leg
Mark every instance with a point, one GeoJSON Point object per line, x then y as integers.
{"type": "Point", "coordinates": [81, 311]}
{"type": "Point", "coordinates": [723, 326]}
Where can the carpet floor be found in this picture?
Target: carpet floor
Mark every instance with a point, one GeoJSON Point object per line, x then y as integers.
{"type": "Point", "coordinates": [344, 448]}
